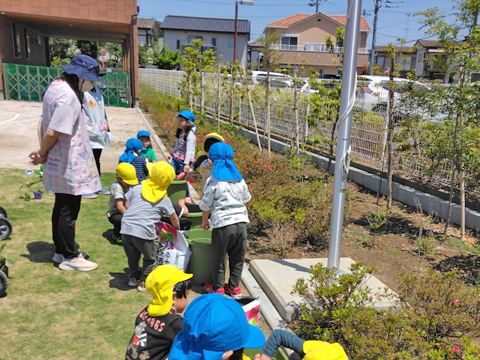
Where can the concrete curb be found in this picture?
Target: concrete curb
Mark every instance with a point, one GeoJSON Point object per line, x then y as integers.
{"type": "Point", "coordinates": [193, 194]}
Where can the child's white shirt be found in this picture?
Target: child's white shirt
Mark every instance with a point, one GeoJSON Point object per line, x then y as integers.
{"type": "Point", "coordinates": [226, 200]}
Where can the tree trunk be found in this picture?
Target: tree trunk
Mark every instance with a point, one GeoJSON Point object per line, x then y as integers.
{"type": "Point", "coordinates": [390, 136]}
{"type": "Point", "coordinates": [202, 95]}
{"type": "Point", "coordinates": [190, 95]}
{"type": "Point", "coordinates": [452, 178]}
{"type": "Point", "coordinates": [218, 97]}
{"type": "Point", "coordinates": [297, 126]}
{"type": "Point", "coordinates": [232, 85]}
{"type": "Point", "coordinates": [267, 100]}
{"type": "Point", "coordinates": [253, 112]}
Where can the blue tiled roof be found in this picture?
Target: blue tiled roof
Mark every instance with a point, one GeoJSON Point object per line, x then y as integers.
{"type": "Point", "coordinates": [174, 22]}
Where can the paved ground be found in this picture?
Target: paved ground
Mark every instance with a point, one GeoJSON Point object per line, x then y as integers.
{"type": "Point", "coordinates": [18, 133]}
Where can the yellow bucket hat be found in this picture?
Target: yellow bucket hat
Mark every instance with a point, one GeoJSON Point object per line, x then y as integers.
{"type": "Point", "coordinates": [321, 350]}
{"type": "Point", "coordinates": [127, 173]}
{"type": "Point", "coordinates": [154, 189]}
{"type": "Point", "coordinates": [160, 284]}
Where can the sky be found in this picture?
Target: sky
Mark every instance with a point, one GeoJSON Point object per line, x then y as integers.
{"type": "Point", "coordinates": [394, 21]}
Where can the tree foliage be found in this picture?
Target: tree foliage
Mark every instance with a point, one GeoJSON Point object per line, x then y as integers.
{"type": "Point", "coordinates": [167, 59]}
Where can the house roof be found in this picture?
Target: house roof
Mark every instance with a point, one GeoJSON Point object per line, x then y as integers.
{"type": "Point", "coordinates": [428, 43]}
{"type": "Point", "coordinates": [145, 23]}
{"type": "Point", "coordinates": [295, 19]}
{"type": "Point", "coordinates": [175, 22]}
{"type": "Point", "coordinates": [382, 48]}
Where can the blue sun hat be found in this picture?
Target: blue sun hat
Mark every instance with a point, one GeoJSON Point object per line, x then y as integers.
{"type": "Point", "coordinates": [213, 325]}
{"type": "Point", "coordinates": [224, 169]}
{"type": "Point", "coordinates": [187, 115]}
{"type": "Point", "coordinates": [84, 66]}
{"type": "Point", "coordinates": [132, 146]}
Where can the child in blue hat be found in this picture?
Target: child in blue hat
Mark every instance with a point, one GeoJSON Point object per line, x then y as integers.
{"type": "Point", "coordinates": [148, 153]}
{"type": "Point", "coordinates": [225, 195]}
{"type": "Point", "coordinates": [131, 155]}
{"type": "Point", "coordinates": [214, 327]}
{"type": "Point", "coordinates": [182, 156]}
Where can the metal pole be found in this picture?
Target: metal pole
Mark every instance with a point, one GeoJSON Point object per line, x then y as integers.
{"type": "Point", "coordinates": [347, 99]}
{"type": "Point", "coordinates": [236, 29]}
{"type": "Point", "coordinates": [374, 37]}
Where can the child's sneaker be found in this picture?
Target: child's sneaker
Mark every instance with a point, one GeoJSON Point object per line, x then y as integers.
{"type": "Point", "coordinates": [103, 191]}
{"type": "Point", "coordinates": [235, 293]}
{"type": "Point", "coordinates": [209, 290]}
{"type": "Point", "coordinates": [89, 196]}
{"type": "Point", "coordinates": [141, 287]}
{"type": "Point", "coordinates": [78, 263]}
{"type": "Point", "coordinates": [133, 282]}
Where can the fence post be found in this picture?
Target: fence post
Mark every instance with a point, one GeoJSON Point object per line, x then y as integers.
{"type": "Point", "coordinates": [240, 110]}
{"type": "Point", "coordinates": [305, 136]}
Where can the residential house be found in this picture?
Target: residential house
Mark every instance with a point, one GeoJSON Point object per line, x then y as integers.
{"type": "Point", "coordinates": [26, 27]}
{"type": "Point", "coordinates": [426, 68]}
{"type": "Point", "coordinates": [406, 62]}
{"type": "Point", "coordinates": [304, 36]}
{"type": "Point", "coordinates": [147, 31]}
{"type": "Point", "coordinates": [216, 33]}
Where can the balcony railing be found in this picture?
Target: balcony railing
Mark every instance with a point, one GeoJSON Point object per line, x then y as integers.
{"type": "Point", "coordinates": [312, 47]}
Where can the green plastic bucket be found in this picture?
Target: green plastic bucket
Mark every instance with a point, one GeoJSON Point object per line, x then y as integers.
{"type": "Point", "coordinates": [195, 216]}
{"type": "Point", "coordinates": [199, 234]}
{"type": "Point", "coordinates": [279, 355]}
{"type": "Point", "coordinates": [177, 190]}
{"type": "Point", "coordinates": [201, 261]}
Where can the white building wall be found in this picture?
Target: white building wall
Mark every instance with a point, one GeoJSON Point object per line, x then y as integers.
{"type": "Point", "coordinates": [223, 49]}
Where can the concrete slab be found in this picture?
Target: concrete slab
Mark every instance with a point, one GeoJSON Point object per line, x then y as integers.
{"type": "Point", "coordinates": [277, 278]}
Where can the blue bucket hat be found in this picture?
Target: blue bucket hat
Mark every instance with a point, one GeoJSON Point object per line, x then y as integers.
{"type": "Point", "coordinates": [143, 133]}
{"type": "Point", "coordinates": [132, 145]}
{"type": "Point", "coordinates": [224, 169]}
{"type": "Point", "coordinates": [84, 66]}
{"type": "Point", "coordinates": [187, 115]}
{"type": "Point", "coordinates": [212, 325]}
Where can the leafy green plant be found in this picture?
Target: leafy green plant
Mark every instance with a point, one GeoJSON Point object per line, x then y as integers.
{"type": "Point", "coordinates": [376, 220]}
{"type": "Point", "coordinates": [427, 246]}
{"type": "Point", "coordinates": [8, 261]}
{"type": "Point", "coordinates": [31, 193]}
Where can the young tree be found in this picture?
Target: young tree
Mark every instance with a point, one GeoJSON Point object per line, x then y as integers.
{"type": "Point", "coordinates": [90, 48]}
{"type": "Point", "coordinates": [167, 59]}
{"type": "Point", "coordinates": [270, 61]}
{"type": "Point", "coordinates": [460, 42]}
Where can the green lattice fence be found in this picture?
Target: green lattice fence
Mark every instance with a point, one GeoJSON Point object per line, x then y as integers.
{"type": "Point", "coordinates": [28, 83]}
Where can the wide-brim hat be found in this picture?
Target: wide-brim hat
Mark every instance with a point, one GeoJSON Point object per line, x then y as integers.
{"type": "Point", "coordinates": [212, 325]}
{"type": "Point", "coordinates": [84, 66]}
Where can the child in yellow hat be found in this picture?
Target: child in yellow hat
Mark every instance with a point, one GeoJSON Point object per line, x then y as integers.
{"type": "Point", "coordinates": [126, 177]}
{"type": "Point", "coordinates": [145, 205]}
{"type": "Point", "coordinates": [306, 350]}
{"type": "Point", "coordinates": [157, 325]}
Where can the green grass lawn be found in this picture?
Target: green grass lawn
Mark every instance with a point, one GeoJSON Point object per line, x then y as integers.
{"type": "Point", "coordinates": [54, 314]}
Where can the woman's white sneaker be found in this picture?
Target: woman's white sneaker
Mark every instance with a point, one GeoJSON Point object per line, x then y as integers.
{"type": "Point", "coordinates": [78, 263]}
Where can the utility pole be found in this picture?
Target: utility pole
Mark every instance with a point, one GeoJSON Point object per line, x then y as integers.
{"type": "Point", "coordinates": [378, 5]}
{"type": "Point", "coordinates": [315, 3]}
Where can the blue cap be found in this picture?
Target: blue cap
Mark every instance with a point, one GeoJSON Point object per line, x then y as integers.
{"type": "Point", "coordinates": [143, 133]}
{"type": "Point", "coordinates": [187, 115]}
{"type": "Point", "coordinates": [212, 325]}
{"type": "Point", "coordinates": [84, 66]}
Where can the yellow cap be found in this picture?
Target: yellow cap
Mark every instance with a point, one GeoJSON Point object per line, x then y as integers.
{"type": "Point", "coordinates": [321, 350]}
{"type": "Point", "coordinates": [149, 166]}
{"type": "Point", "coordinates": [127, 173]}
{"type": "Point", "coordinates": [211, 136]}
{"type": "Point", "coordinates": [154, 188]}
{"type": "Point", "coordinates": [160, 284]}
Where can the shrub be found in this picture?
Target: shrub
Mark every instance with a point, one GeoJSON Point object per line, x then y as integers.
{"type": "Point", "coordinates": [433, 318]}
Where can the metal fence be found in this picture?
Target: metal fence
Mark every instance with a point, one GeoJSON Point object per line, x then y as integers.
{"type": "Point", "coordinates": [29, 83]}
{"type": "Point", "coordinates": [368, 136]}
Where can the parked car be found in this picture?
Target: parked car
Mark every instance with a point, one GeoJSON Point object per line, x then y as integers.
{"type": "Point", "coordinates": [258, 77]}
{"type": "Point", "coordinates": [327, 83]}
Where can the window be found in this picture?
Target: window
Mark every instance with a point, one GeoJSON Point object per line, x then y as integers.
{"type": "Point", "coordinates": [142, 39]}
{"type": "Point", "coordinates": [231, 42]}
{"type": "Point", "coordinates": [178, 44]}
{"type": "Point", "coordinates": [214, 41]}
{"type": "Point", "coordinates": [193, 37]}
{"type": "Point", "coordinates": [26, 40]}
{"type": "Point", "coordinates": [17, 50]}
{"type": "Point", "coordinates": [289, 43]}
